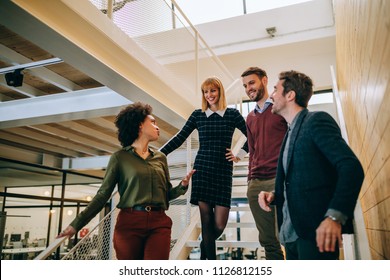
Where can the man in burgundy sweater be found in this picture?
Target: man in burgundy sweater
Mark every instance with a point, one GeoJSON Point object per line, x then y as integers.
{"type": "Point", "coordinates": [265, 133]}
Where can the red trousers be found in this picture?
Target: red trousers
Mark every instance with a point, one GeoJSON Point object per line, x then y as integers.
{"type": "Point", "coordinates": [140, 235]}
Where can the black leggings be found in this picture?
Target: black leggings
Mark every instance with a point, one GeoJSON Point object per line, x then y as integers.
{"type": "Point", "coordinates": [213, 219]}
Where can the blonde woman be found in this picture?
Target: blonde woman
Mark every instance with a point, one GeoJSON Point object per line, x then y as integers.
{"type": "Point", "coordinates": [212, 181]}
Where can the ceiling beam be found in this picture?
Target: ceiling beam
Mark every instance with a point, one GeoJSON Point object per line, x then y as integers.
{"type": "Point", "coordinates": [45, 138]}
{"type": "Point", "coordinates": [25, 89]}
{"type": "Point", "coordinates": [87, 130]}
{"type": "Point", "coordinates": [66, 133]}
{"type": "Point", "coordinates": [60, 107]}
{"type": "Point", "coordinates": [179, 157]}
{"type": "Point", "coordinates": [97, 162]}
{"type": "Point", "coordinates": [32, 64]}
{"type": "Point", "coordinates": [38, 144]}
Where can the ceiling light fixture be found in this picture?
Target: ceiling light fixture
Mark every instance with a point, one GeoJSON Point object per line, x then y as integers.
{"type": "Point", "coordinates": [14, 79]}
{"type": "Point", "coordinates": [271, 31]}
{"type": "Point", "coordinates": [13, 74]}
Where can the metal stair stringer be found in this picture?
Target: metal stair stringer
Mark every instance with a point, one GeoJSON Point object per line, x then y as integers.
{"type": "Point", "coordinates": [181, 251]}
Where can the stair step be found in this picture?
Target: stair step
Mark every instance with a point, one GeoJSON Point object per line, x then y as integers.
{"type": "Point", "coordinates": [240, 181]}
{"type": "Point", "coordinates": [239, 191]}
{"type": "Point", "coordinates": [242, 188]}
{"type": "Point", "coordinates": [240, 173]}
{"type": "Point", "coordinates": [241, 225]}
{"type": "Point", "coordinates": [239, 208]}
{"type": "Point", "coordinates": [226, 243]}
{"type": "Point", "coordinates": [244, 162]}
{"type": "Point", "coordinates": [235, 225]}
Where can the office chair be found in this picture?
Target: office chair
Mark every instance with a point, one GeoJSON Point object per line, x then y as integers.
{"type": "Point", "coordinates": [5, 240]}
{"type": "Point", "coordinates": [17, 244]}
{"type": "Point", "coordinates": [252, 255]}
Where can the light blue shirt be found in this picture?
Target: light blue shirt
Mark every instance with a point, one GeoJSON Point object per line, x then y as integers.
{"type": "Point", "coordinates": [287, 232]}
{"type": "Point", "coordinates": [266, 105]}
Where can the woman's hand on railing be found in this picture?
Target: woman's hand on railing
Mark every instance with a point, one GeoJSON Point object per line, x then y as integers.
{"type": "Point", "coordinates": [69, 231]}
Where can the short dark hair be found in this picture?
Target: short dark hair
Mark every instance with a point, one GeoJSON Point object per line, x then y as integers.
{"type": "Point", "coordinates": [300, 83]}
{"type": "Point", "coordinates": [129, 120]}
{"type": "Point", "coordinates": [254, 70]}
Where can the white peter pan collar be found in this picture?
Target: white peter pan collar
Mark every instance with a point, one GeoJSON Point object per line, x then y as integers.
{"type": "Point", "coordinates": [209, 112]}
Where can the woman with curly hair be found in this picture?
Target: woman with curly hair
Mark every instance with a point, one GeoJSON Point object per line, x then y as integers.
{"type": "Point", "coordinates": [142, 230]}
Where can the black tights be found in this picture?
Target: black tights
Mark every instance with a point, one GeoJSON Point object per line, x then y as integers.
{"type": "Point", "coordinates": [213, 219]}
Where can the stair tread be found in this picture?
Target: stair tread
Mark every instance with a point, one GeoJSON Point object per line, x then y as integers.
{"type": "Point", "coordinates": [239, 208]}
{"type": "Point", "coordinates": [237, 225]}
{"type": "Point", "coordinates": [227, 243]}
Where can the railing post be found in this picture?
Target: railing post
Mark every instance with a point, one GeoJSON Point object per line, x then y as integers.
{"type": "Point", "coordinates": [3, 218]}
{"type": "Point", "coordinates": [114, 203]}
{"type": "Point", "coordinates": [199, 38]}
{"type": "Point", "coordinates": [196, 61]}
{"type": "Point", "coordinates": [339, 109]}
{"type": "Point", "coordinates": [189, 168]}
{"type": "Point", "coordinates": [110, 5]}
{"type": "Point", "coordinates": [236, 94]}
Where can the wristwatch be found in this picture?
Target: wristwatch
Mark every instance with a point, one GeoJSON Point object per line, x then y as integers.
{"type": "Point", "coordinates": [333, 218]}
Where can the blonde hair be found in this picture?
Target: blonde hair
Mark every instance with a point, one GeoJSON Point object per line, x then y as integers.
{"type": "Point", "coordinates": [214, 81]}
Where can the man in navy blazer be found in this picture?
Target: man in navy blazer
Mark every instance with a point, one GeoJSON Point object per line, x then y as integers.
{"type": "Point", "coordinates": [318, 176]}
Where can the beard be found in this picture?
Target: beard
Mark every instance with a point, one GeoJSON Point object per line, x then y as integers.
{"type": "Point", "coordinates": [277, 110]}
{"type": "Point", "coordinates": [259, 94]}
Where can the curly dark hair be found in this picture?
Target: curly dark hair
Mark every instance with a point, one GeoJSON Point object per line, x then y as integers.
{"type": "Point", "coordinates": [128, 122]}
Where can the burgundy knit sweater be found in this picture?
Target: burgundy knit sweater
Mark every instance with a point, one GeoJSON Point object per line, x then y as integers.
{"type": "Point", "coordinates": [265, 136]}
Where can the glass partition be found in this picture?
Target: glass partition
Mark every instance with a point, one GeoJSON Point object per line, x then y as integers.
{"type": "Point", "coordinates": [39, 202]}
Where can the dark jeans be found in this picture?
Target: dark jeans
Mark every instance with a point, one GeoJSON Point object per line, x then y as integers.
{"type": "Point", "coordinates": [142, 235]}
{"type": "Point", "coordinates": [307, 250]}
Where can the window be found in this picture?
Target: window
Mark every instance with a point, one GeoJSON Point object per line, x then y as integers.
{"type": "Point", "coordinates": [203, 11]}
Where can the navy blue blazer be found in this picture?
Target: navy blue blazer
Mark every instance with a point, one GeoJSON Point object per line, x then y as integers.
{"type": "Point", "coordinates": [322, 173]}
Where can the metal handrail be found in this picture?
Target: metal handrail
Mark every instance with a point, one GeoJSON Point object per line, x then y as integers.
{"type": "Point", "coordinates": [214, 56]}
{"type": "Point", "coordinates": [51, 248]}
{"type": "Point", "coordinates": [88, 244]}
{"type": "Point", "coordinates": [61, 240]}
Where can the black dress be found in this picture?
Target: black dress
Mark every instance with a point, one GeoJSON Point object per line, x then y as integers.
{"type": "Point", "coordinates": [212, 181]}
